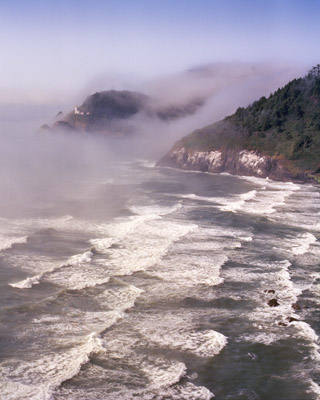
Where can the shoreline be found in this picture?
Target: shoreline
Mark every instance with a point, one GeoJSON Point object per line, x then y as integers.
{"type": "Point", "coordinates": [243, 163]}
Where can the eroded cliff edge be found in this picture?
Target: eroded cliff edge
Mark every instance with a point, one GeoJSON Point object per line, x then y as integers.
{"type": "Point", "coordinates": [236, 162]}
{"type": "Point", "coordinates": [276, 137]}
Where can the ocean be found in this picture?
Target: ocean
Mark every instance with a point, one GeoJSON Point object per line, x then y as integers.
{"type": "Point", "coordinates": [155, 283]}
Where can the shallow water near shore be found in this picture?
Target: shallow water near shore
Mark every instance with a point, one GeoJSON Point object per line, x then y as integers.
{"type": "Point", "coordinates": [156, 286]}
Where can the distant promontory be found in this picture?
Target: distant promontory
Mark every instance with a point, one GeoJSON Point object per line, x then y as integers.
{"type": "Point", "coordinates": [110, 113]}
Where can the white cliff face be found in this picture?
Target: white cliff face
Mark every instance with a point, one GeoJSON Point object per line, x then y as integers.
{"type": "Point", "coordinates": [245, 161]}
{"type": "Point", "coordinates": [252, 161]}
{"type": "Point", "coordinates": [237, 162]}
{"type": "Point", "coordinates": [179, 156]}
{"type": "Point", "coordinates": [211, 160]}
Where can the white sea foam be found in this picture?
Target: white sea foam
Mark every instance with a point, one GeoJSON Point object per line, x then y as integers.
{"type": "Point", "coordinates": [267, 318]}
{"type": "Point", "coordinates": [77, 259]}
{"type": "Point", "coordinates": [143, 239]}
{"type": "Point", "coordinates": [27, 283]}
{"type": "Point", "coordinates": [238, 202]}
{"type": "Point", "coordinates": [101, 320]}
{"type": "Point", "coordinates": [120, 298]}
{"type": "Point", "coordinates": [268, 201]}
{"type": "Point", "coordinates": [244, 274]}
{"type": "Point", "coordinates": [102, 244]}
{"type": "Point", "coordinates": [270, 183]}
{"type": "Point", "coordinates": [39, 378]}
{"type": "Point", "coordinates": [288, 292]}
{"type": "Point", "coordinates": [114, 302]}
{"type": "Point", "coordinates": [224, 234]}
{"type": "Point", "coordinates": [162, 372]}
{"type": "Point", "coordinates": [193, 196]}
{"type": "Point", "coordinates": [203, 344]}
{"type": "Point", "coordinates": [198, 259]}
{"type": "Point", "coordinates": [46, 318]}
{"type": "Point", "coordinates": [187, 391]}
{"type": "Point", "coordinates": [293, 214]}
{"type": "Point", "coordinates": [249, 195]}
{"type": "Point", "coordinates": [142, 242]}
{"type": "Point", "coordinates": [79, 276]}
{"type": "Point", "coordinates": [246, 238]}
{"type": "Point", "coordinates": [204, 270]}
{"type": "Point", "coordinates": [261, 337]}
{"type": "Point", "coordinates": [274, 276]}
{"type": "Point", "coordinates": [262, 200]}
{"type": "Point", "coordinates": [303, 243]}
{"type": "Point", "coordinates": [85, 257]}
{"type": "Point", "coordinates": [163, 330]}
{"type": "Point", "coordinates": [8, 242]}
{"type": "Point", "coordinates": [121, 229]}
{"type": "Point", "coordinates": [146, 163]}
{"type": "Point", "coordinates": [157, 377]}
{"type": "Point", "coordinates": [305, 331]}
{"type": "Point", "coordinates": [314, 388]}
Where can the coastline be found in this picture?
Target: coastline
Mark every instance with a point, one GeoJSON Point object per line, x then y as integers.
{"type": "Point", "coordinates": [235, 162]}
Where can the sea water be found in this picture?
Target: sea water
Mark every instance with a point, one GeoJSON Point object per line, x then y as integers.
{"type": "Point", "coordinates": [156, 286]}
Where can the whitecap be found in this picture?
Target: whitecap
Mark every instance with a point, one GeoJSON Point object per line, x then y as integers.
{"type": "Point", "coordinates": [187, 391]}
{"type": "Point", "coordinates": [42, 376]}
{"type": "Point", "coordinates": [303, 243]}
{"type": "Point", "coordinates": [77, 259]}
{"type": "Point", "coordinates": [314, 388]}
{"type": "Point", "coordinates": [204, 270]}
{"type": "Point", "coordinates": [85, 257]}
{"type": "Point", "coordinates": [193, 196]}
{"type": "Point", "coordinates": [203, 344]}
{"type": "Point", "coordinates": [27, 283]}
{"type": "Point", "coordinates": [238, 202]}
{"type": "Point", "coordinates": [162, 373]}
{"type": "Point", "coordinates": [8, 242]}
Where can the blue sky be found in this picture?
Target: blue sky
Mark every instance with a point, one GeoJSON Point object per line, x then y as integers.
{"type": "Point", "coordinates": [50, 48]}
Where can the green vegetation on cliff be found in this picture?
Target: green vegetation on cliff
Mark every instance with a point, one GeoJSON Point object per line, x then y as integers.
{"type": "Point", "coordinates": [286, 125]}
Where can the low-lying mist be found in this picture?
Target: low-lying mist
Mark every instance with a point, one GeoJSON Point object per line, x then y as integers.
{"type": "Point", "coordinates": [39, 171]}
{"type": "Point", "coordinates": [223, 86]}
{"type": "Point", "coordinates": [39, 168]}
{"type": "Point", "coordinates": [220, 88]}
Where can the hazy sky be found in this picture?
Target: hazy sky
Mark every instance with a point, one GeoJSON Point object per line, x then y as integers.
{"type": "Point", "coordinates": [51, 48]}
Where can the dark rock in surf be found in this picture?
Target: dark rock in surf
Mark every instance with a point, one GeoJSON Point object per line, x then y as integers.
{"type": "Point", "coordinates": [296, 306]}
{"type": "Point", "coordinates": [273, 303]}
{"type": "Point", "coordinates": [292, 319]}
{"type": "Point", "coordinates": [269, 291]}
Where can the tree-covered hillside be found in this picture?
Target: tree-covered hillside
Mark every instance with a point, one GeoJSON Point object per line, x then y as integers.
{"type": "Point", "coordinates": [286, 126]}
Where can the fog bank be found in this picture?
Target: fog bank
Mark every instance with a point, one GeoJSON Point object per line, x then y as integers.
{"type": "Point", "coordinates": [38, 168]}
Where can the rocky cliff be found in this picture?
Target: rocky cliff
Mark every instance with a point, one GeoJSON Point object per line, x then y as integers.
{"type": "Point", "coordinates": [276, 137]}
{"type": "Point", "coordinates": [237, 162]}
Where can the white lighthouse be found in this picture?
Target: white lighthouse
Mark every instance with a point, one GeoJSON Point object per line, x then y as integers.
{"type": "Point", "coordinates": [78, 112]}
